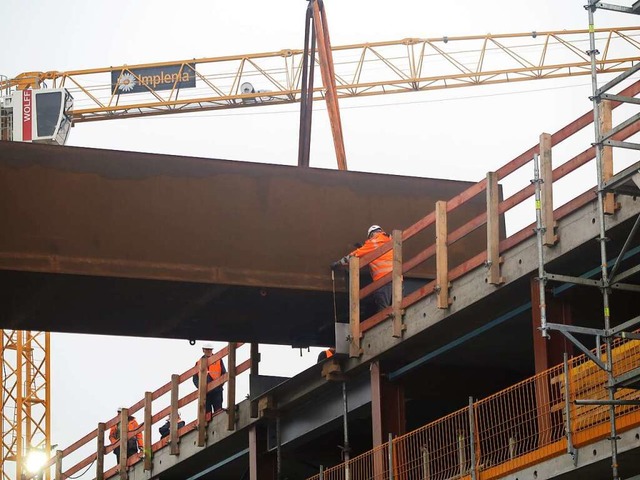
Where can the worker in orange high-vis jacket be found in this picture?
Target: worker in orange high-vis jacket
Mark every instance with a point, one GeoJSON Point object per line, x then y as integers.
{"type": "Point", "coordinates": [215, 371]}
{"type": "Point", "coordinates": [376, 237]}
{"type": "Point", "coordinates": [133, 444]}
{"type": "Point", "coordinates": [328, 353]}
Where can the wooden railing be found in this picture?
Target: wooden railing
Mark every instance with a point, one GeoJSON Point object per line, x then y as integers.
{"type": "Point", "coordinates": [495, 246]}
{"type": "Point", "coordinates": [154, 415]}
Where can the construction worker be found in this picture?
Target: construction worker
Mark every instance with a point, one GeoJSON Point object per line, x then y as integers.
{"type": "Point", "coordinates": [215, 371]}
{"type": "Point", "coordinates": [166, 428]}
{"type": "Point", "coordinates": [328, 353]}
{"type": "Point", "coordinates": [133, 444]}
{"type": "Point", "coordinates": [379, 267]}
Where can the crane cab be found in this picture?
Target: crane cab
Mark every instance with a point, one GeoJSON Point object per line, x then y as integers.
{"type": "Point", "coordinates": [38, 116]}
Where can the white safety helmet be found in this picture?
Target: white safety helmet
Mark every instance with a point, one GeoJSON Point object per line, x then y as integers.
{"type": "Point", "coordinates": [208, 345]}
{"type": "Point", "coordinates": [372, 229]}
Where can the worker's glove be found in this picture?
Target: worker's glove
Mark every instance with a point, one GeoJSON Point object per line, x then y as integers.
{"type": "Point", "coordinates": [343, 262]}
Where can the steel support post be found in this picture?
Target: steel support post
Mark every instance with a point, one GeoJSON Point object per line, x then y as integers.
{"type": "Point", "coordinates": [391, 466]}
{"type": "Point", "coordinates": [591, 7]}
{"type": "Point", "coordinates": [346, 449]}
{"type": "Point", "coordinates": [540, 229]}
{"type": "Point", "coordinates": [567, 411]}
{"type": "Point", "coordinates": [472, 439]}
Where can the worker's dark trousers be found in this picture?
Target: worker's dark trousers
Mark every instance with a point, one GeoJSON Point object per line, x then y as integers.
{"type": "Point", "coordinates": [214, 400]}
{"type": "Point", "coordinates": [382, 297]}
{"type": "Point", "coordinates": [132, 448]}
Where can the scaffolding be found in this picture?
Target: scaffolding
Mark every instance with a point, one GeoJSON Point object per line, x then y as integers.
{"type": "Point", "coordinates": [626, 182]}
{"type": "Point", "coordinates": [25, 423]}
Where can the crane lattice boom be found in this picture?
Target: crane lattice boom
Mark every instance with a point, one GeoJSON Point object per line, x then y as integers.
{"type": "Point", "coordinates": [271, 78]}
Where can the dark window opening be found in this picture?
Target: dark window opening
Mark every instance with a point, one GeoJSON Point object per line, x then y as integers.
{"type": "Point", "coordinates": [48, 106]}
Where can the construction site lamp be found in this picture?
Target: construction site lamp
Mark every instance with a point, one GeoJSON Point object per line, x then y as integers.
{"type": "Point", "coordinates": [36, 460]}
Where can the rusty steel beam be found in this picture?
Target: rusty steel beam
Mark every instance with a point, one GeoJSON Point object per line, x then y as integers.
{"type": "Point", "coordinates": [179, 241]}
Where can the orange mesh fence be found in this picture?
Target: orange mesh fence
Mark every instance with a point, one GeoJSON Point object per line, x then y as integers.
{"type": "Point", "coordinates": [520, 419]}
{"type": "Point", "coordinates": [588, 382]}
{"type": "Point", "coordinates": [438, 450]}
{"type": "Point", "coordinates": [517, 427]}
{"type": "Point", "coordinates": [370, 465]}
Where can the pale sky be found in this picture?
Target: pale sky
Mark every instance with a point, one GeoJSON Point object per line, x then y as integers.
{"type": "Point", "coordinates": [459, 134]}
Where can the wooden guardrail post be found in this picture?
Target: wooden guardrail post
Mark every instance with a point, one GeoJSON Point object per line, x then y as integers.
{"type": "Point", "coordinates": [231, 387]}
{"type": "Point", "coordinates": [396, 284]}
{"type": "Point", "coordinates": [494, 260]}
{"type": "Point", "coordinates": [124, 436]}
{"type": "Point", "coordinates": [202, 402]}
{"type": "Point", "coordinates": [174, 439]}
{"type": "Point", "coordinates": [354, 306]}
{"type": "Point", "coordinates": [59, 460]}
{"type": "Point", "coordinates": [607, 156]}
{"type": "Point", "coordinates": [546, 197]}
{"type": "Point", "coordinates": [99, 452]}
{"type": "Point", "coordinates": [148, 400]}
{"type": "Point", "coordinates": [442, 260]}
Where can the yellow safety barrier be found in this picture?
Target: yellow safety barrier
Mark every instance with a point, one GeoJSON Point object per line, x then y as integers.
{"type": "Point", "coordinates": [520, 426]}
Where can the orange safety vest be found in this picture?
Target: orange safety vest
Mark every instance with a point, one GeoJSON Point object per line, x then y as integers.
{"type": "Point", "coordinates": [382, 265]}
{"type": "Point", "coordinates": [215, 370]}
{"type": "Point", "coordinates": [114, 432]}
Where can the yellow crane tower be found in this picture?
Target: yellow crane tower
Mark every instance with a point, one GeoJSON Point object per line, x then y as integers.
{"type": "Point", "coordinates": [250, 80]}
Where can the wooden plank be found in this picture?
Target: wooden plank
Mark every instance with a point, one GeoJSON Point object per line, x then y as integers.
{"type": "Point", "coordinates": [202, 402]}
{"type": "Point", "coordinates": [124, 430]}
{"type": "Point", "coordinates": [174, 440]}
{"type": "Point", "coordinates": [442, 260]}
{"type": "Point", "coordinates": [396, 284]}
{"type": "Point", "coordinates": [148, 400]}
{"type": "Point", "coordinates": [100, 452]}
{"type": "Point", "coordinates": [266, 406]}
{"type": "Point", "coordinates": [59, 462]}
{"type": "Point", "coordinates": [255, 370]}
{"type": "Point", "coordinates": [546, 173]}
{"type": "Point", "coordinates": [607, 156]}
{"type": "Point", "coordinates": [231, 387]}
{"type": "Point", "coordinates": [354, 307]}
{"type": "Point", "coordinates": [493, 230]}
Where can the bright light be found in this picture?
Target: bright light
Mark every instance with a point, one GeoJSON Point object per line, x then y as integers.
{"type": "Point", "coordinates": [36, 459]}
